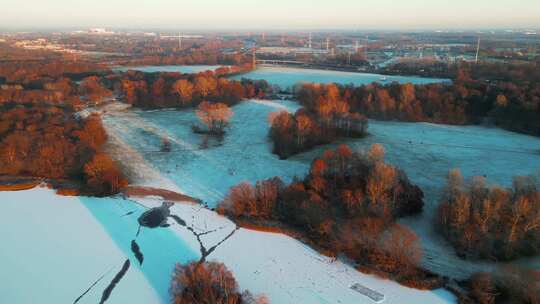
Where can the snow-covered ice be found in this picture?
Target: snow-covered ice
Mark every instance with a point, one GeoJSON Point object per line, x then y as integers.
{"type": "Point", "coordinates": [286, 77]}
{"type": "Point", "coordinates": [53, 249]}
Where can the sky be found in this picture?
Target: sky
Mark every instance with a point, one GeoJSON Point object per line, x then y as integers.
{"type": "Point", "coordinates": [271, 14]}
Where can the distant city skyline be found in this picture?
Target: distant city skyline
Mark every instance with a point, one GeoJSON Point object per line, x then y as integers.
{"type": "Point", "coordinates": [275, 14]}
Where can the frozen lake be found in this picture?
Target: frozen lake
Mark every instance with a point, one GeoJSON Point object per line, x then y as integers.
{"type": "Point", "coordinates": [186, 69]}
{"type": "Point", "coordinates": [286, 77]}
{"type": "Point", "coordinates": [425, 151]}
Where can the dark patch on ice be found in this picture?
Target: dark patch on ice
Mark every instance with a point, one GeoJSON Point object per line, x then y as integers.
{"type": "Point", "coordinates": [204, 251]}
{"type": "Point", "coordinates": [90, 288]}
{"type": "Point", "coordinates": [155, 217]}
{"type": "Point", "coordinates": [129, 213]}
{"type": "Point", "coordinates": [180, 221]}
{"type": "Point", "coordinates": [137, 251]}
{"type": "Point", "coordinates": [107, 292]}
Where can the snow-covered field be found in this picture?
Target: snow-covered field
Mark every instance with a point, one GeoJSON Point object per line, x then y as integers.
{"type": "Point", "coordinates": [186, 69]}
{"type": "Point", "coordinates": [276, 265]}
{"type": "Point", "coordinates": [54, 249]}
{"type": "Point", "coordinates": [282, 268]}
{"type": "Point", "coordinates": [425, 151]}
{"type": "Point", "coordinates": [286, 77]}
{"type": "Point", "coordinates": [206, 173]}
{"type": "Point", "coordinates": [57, 247]}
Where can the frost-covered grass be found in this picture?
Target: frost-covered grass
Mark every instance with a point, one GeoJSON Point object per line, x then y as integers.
{"type": "Point", "coordinates": [187, 69]}
{"type": "Point", "coordinates": [244, 155]}
{"type": "Point", "coordinates": [274, 264]}
{"type": "Point", "coordinates": [286, 77]}
{"type": "Point", "coordinates": [428, 151]}
{"type": "Point", "coordinates": [425, 151]}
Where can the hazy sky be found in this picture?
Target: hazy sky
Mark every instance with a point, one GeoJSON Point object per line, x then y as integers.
{"type": "Point", "coordinates": [275, 14]}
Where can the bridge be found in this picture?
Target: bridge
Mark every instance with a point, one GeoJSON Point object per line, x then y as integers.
{"type": "Point", "coordinates": [278, 62]}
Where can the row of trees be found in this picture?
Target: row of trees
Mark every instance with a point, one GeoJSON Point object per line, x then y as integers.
{"type": "Point", "coordinates": [511, 105]}
{"type": "Point", "coordinates": [491, 222]}
{"type": "Point", "coordinates": [57, 91]}
{"type": "Point", "coordinates": [348, 204]}
{"type": "Point", "coordinates": [175, 90]}
{"type": "Point", "coordinates": [328, 118]}
{"type": "Point", "coordinates": [26, 71]}
{"type": "Point", "coordinates": [50, 142]}
{"type": "Point", "coordinates": [191, 57]}
{"type": "Point", "coordinates": [208, 283]}
{"type": "Point", "coordinates": [518, 73]}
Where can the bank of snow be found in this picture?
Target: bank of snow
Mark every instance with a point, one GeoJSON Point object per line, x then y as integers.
{"type": "Point", "coordinates": [283, 268]}
{"type": "Point", "coordinates": [53, 250]}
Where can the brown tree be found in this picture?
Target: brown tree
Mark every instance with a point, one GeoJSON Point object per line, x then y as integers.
{"type": "Point", "coordinates": [215, 116]}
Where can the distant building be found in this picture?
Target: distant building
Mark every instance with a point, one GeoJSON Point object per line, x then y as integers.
{"type": "Point", "coordinates": [99, 31]}
{"type": "Point", "coordinates": [16, 87]}
{"type": "Point", "coordinates": [291, 51]}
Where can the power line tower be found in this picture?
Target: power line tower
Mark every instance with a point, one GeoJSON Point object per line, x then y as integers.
{"type": "Point", "coordinates": [327, 44]}
{"type": "Point", "coordinates": [366, 47]}
{"type": "Point", "coordinates": [477, 51]}
{"type": "Point", "coordinates": [253, 58]}
{"type": "Point", "coordinates": [179, 41]}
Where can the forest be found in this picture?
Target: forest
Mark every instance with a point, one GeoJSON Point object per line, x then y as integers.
{"type": "Point", "coordinates": [162, 90]}
{"type": "Point", "coordinates": [50, 142]}
{"type": "Point", "coordinates": [348, 204]}
{"type": "Point", "coordinates": [202, 55]}
{"type": "Point", "coordinates": [490, 222]}
{"type": "Point", "coordinates": [508, 99]}
{"type": "Point", "coordinates": [323, 123]}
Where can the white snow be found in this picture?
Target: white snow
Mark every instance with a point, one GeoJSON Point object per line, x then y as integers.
{"type": "Point", "coordinates": [286, 77]}
{"type": "Point", "coordinates": [284, 269]}
{"type": "Point", "coordinates": [425, 151]}
{"type": "Point", "coordinates": [53, 249]}
{"type": "Point", "coordinates": [276, 265]}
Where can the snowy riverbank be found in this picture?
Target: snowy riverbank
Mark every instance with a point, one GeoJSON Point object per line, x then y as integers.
{"type": "Point", "coordinates": [54, 249]}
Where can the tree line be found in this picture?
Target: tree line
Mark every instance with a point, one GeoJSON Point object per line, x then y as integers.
{"type": "Point", "coordinates": [162, 90]}
{"type": "Point", "coordinates": [51, 142]}
{"type": "Point", "coordinates": [490, 222]}
{"type": "Point", "coordinates": [513, 105]}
